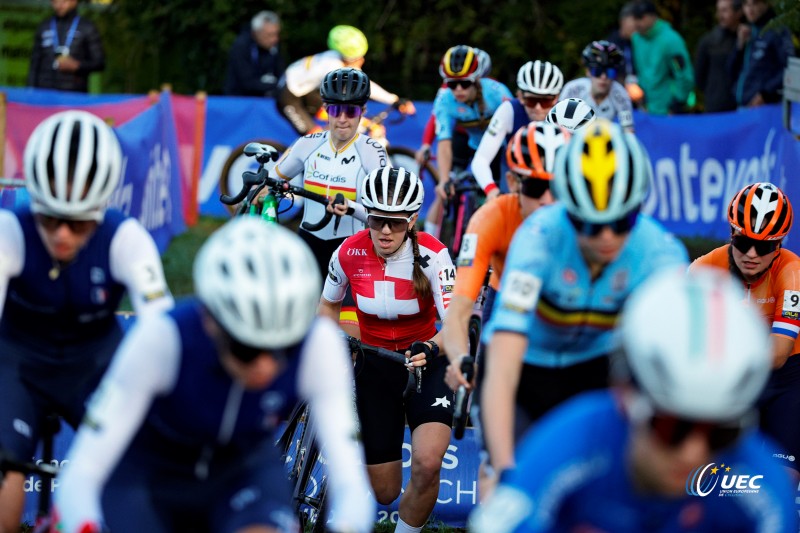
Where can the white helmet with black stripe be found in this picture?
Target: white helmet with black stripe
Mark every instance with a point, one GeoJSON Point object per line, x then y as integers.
{"type": "Point", "coordinates": [392, 190]}
{"type": "Point", "coordinates": [571, 114]}
{"type": "Point", "coordinates": [73, 162]}
{"type": "Point", "coordinates": [540, 77]}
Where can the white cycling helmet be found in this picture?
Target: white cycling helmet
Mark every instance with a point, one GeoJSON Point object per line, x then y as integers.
{"type": "Point", "coordinates": [392, 190]}
{"type": "Point", "coordinates": [73, 162]}
{"type": "Point", "coordinates": [693, 347]}
{"type": "Point", "coordinates": [571, 114]}
{"type": "Point", "coordinates": [540, 77]}
{"type": "Point", "coordinates": [484, 63]}
{"type": "Point", "coordinates": [260, 281]}
{"type": "Point", "coordinates": [603, 174]}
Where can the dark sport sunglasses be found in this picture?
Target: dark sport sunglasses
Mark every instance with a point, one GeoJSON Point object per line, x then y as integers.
{"type": "Point", "coordinates": [673, 431]}
{"type": "Point", "coordinates": [598, 71]}
{"type": "Point", "coordinates": [619, 227]}
{"type": "Point", "coordinates": [77, 227]}
{"type": "Point", "coordinates": [465, 84]}
{"type": "Point", "coordinates": [396, 224]}
{"type": "Point", "coordinates": [743, 244]}
{"type": "Point", "coordinates": [532, 101]}
{"type": "Point", "coordinates": [532, 187]}
{"type": "Point", "coordinates": [350, 110]}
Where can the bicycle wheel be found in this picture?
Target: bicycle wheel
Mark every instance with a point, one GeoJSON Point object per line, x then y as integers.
{"type": "Point", "coordinates": [306, 469]}
{"type": "Point", "coordinates": [230, 179]}
{"type": "Point", "coordinates": [404, 157]}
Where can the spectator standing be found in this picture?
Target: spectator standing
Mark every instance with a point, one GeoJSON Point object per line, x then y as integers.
{"type": "Point", "coordinates": [760, 56]}
{"type": "Point", "coordinates": [254, 63]}
{"type": "Point", "coordinates": [66, 49]}
{"type": "Point", "coordinates": [711, 61]}
{"type": "Point", "coordinates": [622, 38]}
{"type": "Point", "coordinates": [662, 62]}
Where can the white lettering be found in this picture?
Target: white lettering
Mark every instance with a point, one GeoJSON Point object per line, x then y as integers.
{"type": "Point", "coordinates": [460, 492]}
{"type": "Point", "coordinates": [691, 190]}
{"type": "Point", "coordinates": [156, 204]}
{"type": "Point", "coordinates": [450, 461]}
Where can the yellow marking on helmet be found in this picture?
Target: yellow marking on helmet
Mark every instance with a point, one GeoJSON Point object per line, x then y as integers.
{"type": "Point", "coordinates": [467, 62]}
{"type": "Point", "coordinates": [599, 164]}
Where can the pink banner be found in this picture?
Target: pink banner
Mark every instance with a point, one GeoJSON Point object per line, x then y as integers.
{"type": "Point", "coordinates": [21, 119]}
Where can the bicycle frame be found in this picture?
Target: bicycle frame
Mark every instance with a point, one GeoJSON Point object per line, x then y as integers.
{"type": "Point", "coordinates": [464, 196]}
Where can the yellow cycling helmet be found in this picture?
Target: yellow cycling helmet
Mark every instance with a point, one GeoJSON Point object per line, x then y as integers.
{"type": "Point", "coordinates": [602, 174]}
{"type": "Point", "coordinates": [348, 41]}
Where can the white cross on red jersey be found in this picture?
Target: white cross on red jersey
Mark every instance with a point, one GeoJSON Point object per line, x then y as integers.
{"type": "Point", "coordinates": [390, 314]}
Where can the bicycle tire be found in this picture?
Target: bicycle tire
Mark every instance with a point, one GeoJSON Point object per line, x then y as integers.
{"type": "Point", "coordinates": [230, 180]}
{"type": "Point", "coordinates": [305, 469]}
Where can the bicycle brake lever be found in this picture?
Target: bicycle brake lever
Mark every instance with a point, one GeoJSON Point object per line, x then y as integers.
{"type": "Point", "coordinates": [338, 200]}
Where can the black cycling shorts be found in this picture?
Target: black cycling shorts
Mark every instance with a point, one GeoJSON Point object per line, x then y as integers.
{"type": "Point", "coordinates": [542, 388]}
{"type": "Point", "coordinates": [383, 411]}
{"type": "Point", "coordinates": [779, 409]}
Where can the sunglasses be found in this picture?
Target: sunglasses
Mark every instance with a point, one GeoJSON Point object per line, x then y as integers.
{"type": "Point", "coordinates": [531, 101]}
{"type": "Point", "coordinates": [743, 244]}
{"type": "Point", "coordinates": [396, 224]}
{"type": "Point", "coordinates": [673, 431]}
{"type": "Point", "coordinates": [598, 71]}
{"type": "Point", "coordinates": [590, 229]}
{"type": "Point", "coordinates": [350, 110]}
{"type": "Point", "coordinates": [533, 187]}
{"type": "Point", "coordinates": [77, 227]}
{"type": "Point", "coordinates": [464, 84]}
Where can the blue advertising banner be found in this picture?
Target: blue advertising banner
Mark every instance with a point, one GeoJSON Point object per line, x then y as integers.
{"type": "Point", "coordinates": [150, 190]}
{"type": "Point", "coordinates": [700, 162]}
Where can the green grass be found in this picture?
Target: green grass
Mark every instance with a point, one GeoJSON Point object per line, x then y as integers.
{"type": "Point", "coordinates": [179, 257]}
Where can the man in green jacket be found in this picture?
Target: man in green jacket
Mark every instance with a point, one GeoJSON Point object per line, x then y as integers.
{"type": "Point", "coordinates": [662, 62]}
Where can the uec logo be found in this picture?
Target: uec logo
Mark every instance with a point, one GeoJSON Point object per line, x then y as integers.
{"type": "Point", "coordinates": [703, 480]}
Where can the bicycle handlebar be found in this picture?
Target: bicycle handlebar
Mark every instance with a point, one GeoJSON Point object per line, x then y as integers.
{"type": "Point", "coordinates": [254, 182]}
{"type": "Point", "coordinates": [9, 464]}
{"type": "Point", "coordinates": [356, 345]}
{"type": "Point", "coordinates": [460, 403]}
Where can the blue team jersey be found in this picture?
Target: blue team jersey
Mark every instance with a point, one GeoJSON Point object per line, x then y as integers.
{"type": "Point", "coordinates": [207, 406]}
{"type": "Point", "coordinates": [450, 113]}
{"type": "Point", "coordinates": [50, 305]}
{"type": "Point", "coordinates": [573, 473]}
{"type": "Point", "coordinates": [547, 293]}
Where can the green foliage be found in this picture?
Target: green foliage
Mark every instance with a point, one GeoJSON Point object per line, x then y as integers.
{"type": "Point", "coordinates": [185, 43]}
{"type": "Point", "coordinates": [179, 257]}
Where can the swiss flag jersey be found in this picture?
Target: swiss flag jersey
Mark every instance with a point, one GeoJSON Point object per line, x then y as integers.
{"type": "Point", "coordinates": [390, 314]}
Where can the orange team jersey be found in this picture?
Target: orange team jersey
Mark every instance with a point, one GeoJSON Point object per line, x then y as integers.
{"type": "Point", "coordinates": [776, 293]}
{"type": "Point", "coordinates": [486, 242]}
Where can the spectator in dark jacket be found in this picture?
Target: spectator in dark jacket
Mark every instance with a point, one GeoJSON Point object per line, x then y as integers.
{"type": "Point", "coordinates": [711, 61]}
{"type": "Point", "coordinates": [254, 62]}
{"type": "Point", "coordinates": [67, 48]}
{"type": "Point", "coordinates": [760, 55]}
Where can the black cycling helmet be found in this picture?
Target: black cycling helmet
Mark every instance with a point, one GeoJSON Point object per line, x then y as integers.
{"type": "Point", "coordinates": [603, 54]}
{"type": "Point", "coordinates": [345, 86]}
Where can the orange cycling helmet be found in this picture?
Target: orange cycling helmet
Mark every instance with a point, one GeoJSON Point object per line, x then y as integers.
{"type": "Point", "coordinates": [761, 211]}
{"type": "Point", "coordinates": [460, 62]}
{"type": "Point", "coordinates": [532, 149]}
